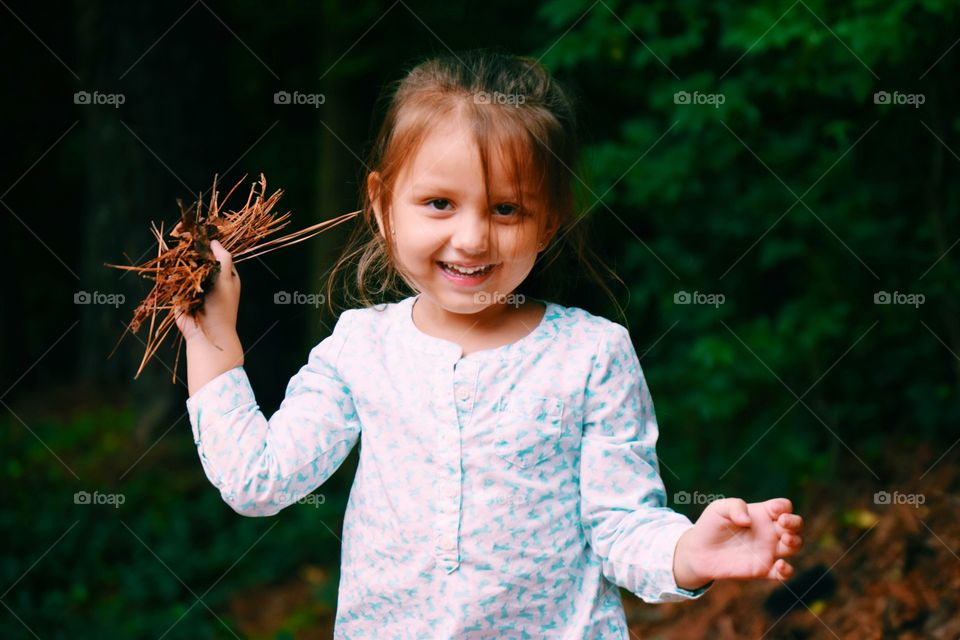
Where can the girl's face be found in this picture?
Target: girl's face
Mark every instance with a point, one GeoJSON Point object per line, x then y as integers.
{"type": "Point", "coordinates": [462, 254]}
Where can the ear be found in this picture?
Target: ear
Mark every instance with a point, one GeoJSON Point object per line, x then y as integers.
{"type": "Point", "coordinates": [374, 191]}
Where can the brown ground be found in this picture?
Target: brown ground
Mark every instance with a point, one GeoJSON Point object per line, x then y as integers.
{"type": "Point", "coordinates": [894, 573]}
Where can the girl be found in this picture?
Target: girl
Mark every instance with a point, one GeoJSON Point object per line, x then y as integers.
{"type": "Point", "coordinates": [507, 479]}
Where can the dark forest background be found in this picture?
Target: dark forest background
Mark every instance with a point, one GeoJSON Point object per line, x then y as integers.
{"type": "Point", "coordinates": [789, 168]}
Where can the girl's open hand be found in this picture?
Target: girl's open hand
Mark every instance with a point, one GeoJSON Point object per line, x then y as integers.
{"type": "Point", "coordinates": [217, 321]}
{"type": "Point", "coordinates": [736, 540]}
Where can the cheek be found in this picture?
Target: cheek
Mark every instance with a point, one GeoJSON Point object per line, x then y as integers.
{"type": "Point", "coordinates": [417, 240]}
{"type": "Point", "coordinates": [518, 244]}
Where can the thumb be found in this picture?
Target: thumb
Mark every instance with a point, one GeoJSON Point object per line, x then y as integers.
{"type": "Point", "coordinates": [736, 510]}
{"type": "Point", "coordinates": [223, 257]}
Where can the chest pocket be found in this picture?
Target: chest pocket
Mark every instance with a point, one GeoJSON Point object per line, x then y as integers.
{"type": "Point", "coordinates": [529, 429]}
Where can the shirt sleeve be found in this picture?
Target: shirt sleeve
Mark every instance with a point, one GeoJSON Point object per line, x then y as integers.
{"type": "Point", "coordinates": [261, 466]}
{"type": "Point", "coordinates": [623, 500]}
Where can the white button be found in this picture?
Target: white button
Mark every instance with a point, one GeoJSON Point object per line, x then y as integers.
{"type": "Point", "coordinates": [464, 396]}
{"type": "Point", "coordinates": [452, 492]}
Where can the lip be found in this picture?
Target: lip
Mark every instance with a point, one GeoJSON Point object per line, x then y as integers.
{"type": "Point", "coordinates": [466, 265]}
{"type": "Point", "coordinates": [463, 280]}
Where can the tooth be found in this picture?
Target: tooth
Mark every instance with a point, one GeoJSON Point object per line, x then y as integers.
{"type": "Point", "coordinates": [466, 270]}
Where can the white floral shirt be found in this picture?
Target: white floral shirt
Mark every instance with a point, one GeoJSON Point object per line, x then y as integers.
{"type": "Point", "coordinates": [502, 494]}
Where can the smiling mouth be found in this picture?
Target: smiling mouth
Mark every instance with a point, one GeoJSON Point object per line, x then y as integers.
{"type": "Point", "coordinates": [458, 270]}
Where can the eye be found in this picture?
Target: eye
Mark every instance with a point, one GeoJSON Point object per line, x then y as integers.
{"type": "Point", "coordinates": [506, 209]}
{"type": "Point", "coordinates": [442, 203]}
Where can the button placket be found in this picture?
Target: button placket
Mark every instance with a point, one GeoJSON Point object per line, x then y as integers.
{"type": "Point", "coordinates": [449, 455]}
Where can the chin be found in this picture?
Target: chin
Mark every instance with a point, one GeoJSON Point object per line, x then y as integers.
{"type": "Point", "coordinates": [465, 306]}
{"type": "Point", "coordinates": [462, 303]}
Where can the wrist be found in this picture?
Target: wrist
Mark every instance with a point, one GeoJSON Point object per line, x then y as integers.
{"type": "Point", "coordinates": [220, 352]}
{"type": "Point", "coordinates": [686, 563]}
{"type": "Point", "coordinates": [207, 360]}
{"type": "Point", "coordinates": [221, 340]}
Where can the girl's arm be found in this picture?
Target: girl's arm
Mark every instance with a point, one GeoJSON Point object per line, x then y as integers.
{"type": "Point", "coordinates": [623, 500]}
{"type": "Point", "coordinates": [206, 361]}
{"type": "Point", "coordinates": [260, 465]}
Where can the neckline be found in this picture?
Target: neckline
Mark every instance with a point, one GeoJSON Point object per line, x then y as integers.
{"type": "Point", "coordinates": [440, 346]}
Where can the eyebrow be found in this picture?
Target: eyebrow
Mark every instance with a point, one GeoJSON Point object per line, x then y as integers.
{"type": "Point", "coordinates": [417, 188]}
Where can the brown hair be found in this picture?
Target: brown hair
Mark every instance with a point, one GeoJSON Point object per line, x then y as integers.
{"type": "Point", "coordinates": [513, 104]}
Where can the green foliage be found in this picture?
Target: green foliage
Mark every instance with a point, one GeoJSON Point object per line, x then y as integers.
{"type": "Point", "coordinates": [797, 198]}
{"type": "Point", "coordinates": [130, 571]}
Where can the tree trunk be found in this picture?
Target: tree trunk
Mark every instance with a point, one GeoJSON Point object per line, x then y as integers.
{"type": "Point", "coordinates": [119, 202]}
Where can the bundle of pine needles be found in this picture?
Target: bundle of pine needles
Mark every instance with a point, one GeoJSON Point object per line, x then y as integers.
{"type": "Point", "coordinates": [185, 272]}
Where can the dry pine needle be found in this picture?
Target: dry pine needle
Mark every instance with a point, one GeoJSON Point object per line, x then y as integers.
{"type": "Point", "coordinates": [185, 270]}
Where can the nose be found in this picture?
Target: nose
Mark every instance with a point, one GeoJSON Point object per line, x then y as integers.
{"type": "Point", "coordinates": [471, 235]}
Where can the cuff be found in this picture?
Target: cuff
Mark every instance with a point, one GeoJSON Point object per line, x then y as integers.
{"type": "Point", "coordinates": [673, 592]}
{"type": "Point", "coordinates": [218, 397]}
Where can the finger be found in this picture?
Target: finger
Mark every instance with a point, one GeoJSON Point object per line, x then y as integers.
{"type": "Point", "coordinates": [778, 506]}
{"type": "Point", "coordinates": [180, 312]}
{"type": "Point", "coordinates": [228, 276]}
{"type": "Point", "coordinates": [736, 510]}
{"type": "Point", "coordinates": [788, 522]}
{"type": "Point", "coordinates": [223, 257]}
{"type": "Point", "coordinates": [182, 318]}
{"type": "Point", "coordinates": [789, 545]}
{"type": "Point", "coordinates": [781, 570]}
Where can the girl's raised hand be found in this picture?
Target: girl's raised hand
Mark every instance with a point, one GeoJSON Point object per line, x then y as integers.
{"type": "Point", "coordinates": [216, 323]}
{"type": "Point", "coordinates": [736, 540]}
